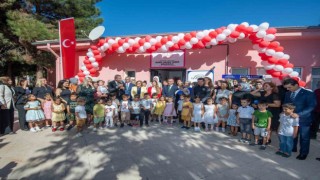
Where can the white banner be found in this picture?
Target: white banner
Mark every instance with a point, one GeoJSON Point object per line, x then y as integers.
{"type": "Point", "coordinates": [192, 76]}
{"type": "Point", "coordinates": [167, 60]}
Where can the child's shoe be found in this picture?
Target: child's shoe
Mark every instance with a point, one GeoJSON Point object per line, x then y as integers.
{"type": "Point", "coordinates": [242, 140]}
{"type": "Point", "coordinates": [263, 147]}
{"type": "Point", "coordinates": [79, 135]}
{"type": "Point", "coordinates": [33, 130]}
{"type": "Point", "coordinates": [69, 127]}
{"type": "Point", "coordinates": [223, 129]}
{"type": "Point", "coordinates": [90, 127]}
{"type": "Point", "coordinates": [100, 127]}
{"type": "Point", "coordinates": [38, 129]}
{"type": "Point", "coordinates": [217, 129]}
{"type": "Point", "coordinates": [61, 128]}
{"type": "Point", "coordinates": [95, 130]}
{"type": "Point", "coordinates": [54, 129]}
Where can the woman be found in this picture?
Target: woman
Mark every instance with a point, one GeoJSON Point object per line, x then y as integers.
{"type": "Point", "coordinates": [41, 89]}
{"type": "Point", "coordinates": [63, 91]}
{"type": "Point", "coordinates": [138, 89]}
{"type": "Point", "coordinates": [87, 91]}
{"type": "Point", "coordinates": [7, 105]}
{"type": "Point", "coordinates": [155, 89]}
{"type": "Point", "coordinates": [271, 97]}
{"type": "Point", "coordinates": [224, 92]}
{"type": "Point", "coordinates": [22, 91]}
{"type": "Point", "coordinates": [208, 83]}
{"type": "Point", "coordinates": [156, 78]}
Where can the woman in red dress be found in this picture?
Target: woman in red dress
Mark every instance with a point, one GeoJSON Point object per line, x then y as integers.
{"type": "Point", "coordinates": [155, 88]}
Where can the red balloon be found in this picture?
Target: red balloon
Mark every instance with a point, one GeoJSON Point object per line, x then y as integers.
{"type": "Point", "coordinates": [234, 34]}
{"type": "Point", "coordinates": [96, 52]}
{"type": "Point", "coordinates": [115, 46]}
{"type": "Point", "coordinates": [92, 71]}
{"type": "Point", "coordinates": [135, 46]}
{"type": "Point", "coordinates": [89, 66]}
{"type": "Point", "coordinates": [121, 41]}
{"type": "Point", "coordinates": [279, 49]}
{"type": "Point", "coordinates": [142, 41]}
{"type": "Point", "coordinates": [273, 45]}
{"type": "Point", "coordinates": [187, 37]}
{"type": "Point", "coordinates": [93, 47]}
{"type": "Point", "coordinates": [170, 37]}
{"type": "Point", "coordinates": [289, 65]}
{"type": "Point", "coordinates": [86, 61]}
{"type": "Point", "coordinates": [219, 31]}
{"type": "Point", "coordinates": [296, 79]}
{"type": "Point", "coordinates": [200, 44]}
{"type": "Point", "coordinates": [193, 34]}
{"type": "Point", "coordinates": [256, 41]}
{"type": "Point", "coordinates": [81, 79]}
{"type": "Point", "coordinates": [182, 42]}
{"type": "Point", "coordinates": [213, 34]}
{"type": "Point", "coordinates": [80, 74]}
{"type": "Point", "coordinates": [98, 58]}
{"type": "Point", "coordinates": [126, 39]}
{"type": "Point", "coordinates": [153, 48]}
{"type": "Point", "coordinates": [272, 60]}
{"type": "Point", "coordinates": [283, 76]}
{"type": "Point", "coordinates": [107, 39]}
{"type": "Point", "coordinates": [164, 40]}
{"type": "Point", "coordinates": [175, 47]}
{"type": "Point", "coordinates": [276, 74]}
{"type": "Point", "coordinates": [206, 39]}
{"type": "Point", "coordinates": [302, 83]}
{"type": "Point", "coordinates": [271, 31]}
{"type": "Point", "coordinates": [110, 51]}
{"type": "Point", "coordinates": [263, 44]}
{"type": "Point", "coordinates": [283, 61]}
{"type": "Point", "coordinates": [270, 71]}
{"type": "Point", "coordinates": [241, 28]}
{"type": "Point", "coordinates": [158, 45]}
{"type": "Point", "coordinates": [101, 42]}
{"type": "Point", "coordinates": [148, 38]}
{"type": "Point", "coordinates": [249, 30]}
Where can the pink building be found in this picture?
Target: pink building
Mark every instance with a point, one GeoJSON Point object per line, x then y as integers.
{"type": "Point", "coordinates": [301, 43]}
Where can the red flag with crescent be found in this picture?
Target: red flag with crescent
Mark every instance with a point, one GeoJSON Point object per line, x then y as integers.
{"type": "Point", "coordinates": [68, 47]}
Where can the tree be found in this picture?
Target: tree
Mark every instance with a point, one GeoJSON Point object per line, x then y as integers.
{"type": "Point", "coordinates": [25, 21]}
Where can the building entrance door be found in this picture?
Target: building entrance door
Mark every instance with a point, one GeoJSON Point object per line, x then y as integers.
{"type": "Point", "coordinates": [165, 74]}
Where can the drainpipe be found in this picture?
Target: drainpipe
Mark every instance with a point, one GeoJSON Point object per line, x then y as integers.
{"type": "Point", "coordinates": [58, 75]}
{"type": "Point", "coordinates": [227, 60]}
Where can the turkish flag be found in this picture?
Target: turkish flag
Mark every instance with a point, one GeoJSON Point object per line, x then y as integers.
{"type": "Point", "coordinates": [68, 47]}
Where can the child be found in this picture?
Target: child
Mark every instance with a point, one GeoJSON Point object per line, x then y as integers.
{"type": "Point", "coordinates": [98, 114]}
{"type": "Point", "coordinates": [244, 118]}
{"type": "Point", "coordinates": [161, 104]}
{"type": "Point", "coordinates": [34, 113]}
{"type": "Point", "coordinates": [71, 106]}
{"type": "Point", "coordinates": [46, 106]}
{"type": "Point", "coordinates": [110, 110]}
{"type": "Point", "coordinates": [197, 115]}
{"type": "Point", "coordinates": [124, 110]}
{"type": "Point", "coordinates": [102, 89]}
{"type": "Point", "coordinates": [261, 122]}
{"type": "Point", "coordinates": [186, 112]}
{"type": "Point", "coordinates": [135, 107]}
{"type": "Point", "coordinates": [288, 130]}
{"type": "Point", "coordinates": [154, 101]}
{"type": "Point", "coordinates": [116, 104]}
{"type": "Point", "coordinates": [145, 109]}
{"type": "Point", "coordinates": [245, 85]}
{"type": "Point", "coordinates": [169, 111]}
{"type": "Point", "coordinates": [58, 115]}
{"type": "Point", "coordinates": [232, 119]}
{"type": "Point", "coordinates": [222, 113]}
{"type": "Point", "coordinates": [210, 114]}
{"type": "Point", "coordinates": [180, 104]}
{"type": "Point", "coordinates": [81, 115]}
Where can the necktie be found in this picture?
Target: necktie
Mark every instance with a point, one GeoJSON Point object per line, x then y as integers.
{"type": "Point", "coordinates": [169, 88]}
{"type": "Point", "coordinates": [292, 96]}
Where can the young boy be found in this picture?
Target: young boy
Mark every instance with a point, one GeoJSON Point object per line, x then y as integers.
{"type": "Point", "coordinates": [81, 116]}
{"type": "Point", "coordinates": [244, 118]}
{"type": "Point", "coordinates": [124, 110]}
{"type": "Point", "coordinates": [153, 106]}
{"type": "Point", "coordinates": [180, 104]}
{"type": "Point", "coordinates": [261, 122]}
{"type": "Point", "coordinates": [244, 85]}
{"type": "Point", "coordinates": [186, 113]}
{"type": "Point", "coordinates": [71, 106]}
{"type": "Point", "coordinates": [288, 130]}
{"type": "Point", "coordinates": [98, 114]}
{"type": "Point", "coordinates": [145, 109]}
{"type": "Point", "coordinates": [135, 107]}
{"type": "Point", "coordinates": [110, 113]}
{"type": "Point", "coordinates": [115, 103]}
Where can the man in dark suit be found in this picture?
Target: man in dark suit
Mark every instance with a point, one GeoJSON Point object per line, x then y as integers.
{"type": "Point", "coordinates": [170, 89]}
{"type": "Point", "coordinates": [128, 86]}
{"type": "Point", "coordinates": [117, 86]}
{"type": "Point", "coordinates": [305, 102]}
{"type": "Point", "coordinates": [201, 91]}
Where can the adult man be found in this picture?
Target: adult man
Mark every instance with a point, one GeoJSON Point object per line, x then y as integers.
{"type": "Point", "coordinates": [170, 89]}
{"type": "Point", "coordinates": [201, 90]}
{"type": "Point", "coordinates": [128, 86]}
{"type": "Point", "coordinates": [305, 102]}
{"type": "Point", "coordinates": [316, 115]}
{"type": "Point", "coordinates": [117, 86]}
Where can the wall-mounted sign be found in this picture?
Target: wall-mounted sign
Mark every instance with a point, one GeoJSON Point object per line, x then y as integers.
{"type": "Point", "coordinates": [193, 76]}
{"type": "Point", "coordinates": [167, 60]}
{"type": "Point", "coordinates": [238, 76]}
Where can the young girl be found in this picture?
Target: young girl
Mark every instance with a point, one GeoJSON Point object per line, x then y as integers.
{"type": "Point", "coordinates": [116, 104]}
{"type": "Point", "coordinates": [186, 112]}
{"type": "Point", "coordinates": [180, 104]}
{"type": "Point", "coordinates": [222, 112]}
{"type": "Point", "coordinates": [81, 115]}
{"type": "Point", "coordinates": [154, 101]}
{"type": "Point", "coordinates": [161, 104]}
{"type": "Point", "coordinates": [34, 113]}
{"type": "Point", "coordinates": [169, 111]}
{"type": "Point", "coordinates": [58, 115]}
{"type": "Point", "coordinates": [232, 119]}
{"type": "Point", "coordinates": [110, 113]}
{"type": "Point", "coordinates": [46, 106]}
{"type": "Point", "coordinates": [210, 114]}
{"type": "Point", "coordinates": [102, 89]}
{"type": "Point", "coordinates": [197, 115]}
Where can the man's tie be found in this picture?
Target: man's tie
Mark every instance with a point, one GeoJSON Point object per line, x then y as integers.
{"type": "Point", "coordinates": [169, 88]}
{"type": "Point", "coordinates": [292, 96]}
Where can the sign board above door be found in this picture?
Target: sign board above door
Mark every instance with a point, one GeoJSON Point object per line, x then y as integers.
{"type": "Point", "coordinates": [174, 59]}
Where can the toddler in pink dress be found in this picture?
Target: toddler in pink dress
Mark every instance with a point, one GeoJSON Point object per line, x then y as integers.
{"type": "Point", "coordinates": [169, 111]}
{"type": "Point", "coordinates": [46, 105]}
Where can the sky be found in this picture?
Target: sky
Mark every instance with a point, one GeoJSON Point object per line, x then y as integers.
{"type": "Point", "coordinates": [132, 17]}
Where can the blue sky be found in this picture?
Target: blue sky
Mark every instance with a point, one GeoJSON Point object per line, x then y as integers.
{"type": "Point", "coordinates": [129, 17]}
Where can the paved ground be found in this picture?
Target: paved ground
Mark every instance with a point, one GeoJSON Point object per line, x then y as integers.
{"type": "Point", "coordinates": [157, 152]}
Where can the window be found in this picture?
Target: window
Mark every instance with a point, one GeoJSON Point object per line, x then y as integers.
{"type": "Point", "coordinates": [131, 73]}
{"type": "Point", "coordinates": [261, 71]}
{"type": "Point", "coordinates": [299, 70]}
{"type": "Point", "coordinates": [315, 77]}
{"type": "Point", "coordinates": [240, 71]}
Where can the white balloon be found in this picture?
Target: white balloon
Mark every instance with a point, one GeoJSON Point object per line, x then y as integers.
{"type": "Point", "coordinates": [261, 34]}
{"type": "Point", "coordinates": [120, 50]}
{"type": "Point", "coordinates": [278, 68]}
{"type": "Point", "coordinates": [141, 49]}
{"type": "Point", "coordinates": [90, 54]}
{"type": "Point", "coordinates": [226, 32]}
{"type": "Point", "coordinates": [111, 41]}
{"type": "Point", "coordinates": [106, 45]}
{"type": "Point", "coordinates": [269, 37]}
{"type": "Point", "coordinates": [83, 68]}
{"type": "Point", "coordinates": [268, 67]}
{"type": "Point", "coordinates": [92, 59]}
{"type": "Point", "coordinates": [102, 49]}
{"type": "Point", "coordinates": [158, 38]}
{"type": "Point", "coordinates": [231, 27]}
{"type": "Point", "coordinates": [199, 35]}
{"type": "Point", "coordinates": [136, 40]}
{"type": "Point", "coordinates": [232, 40]}
{"type": "Point", "coordinates": [294, 74]}
{"type": "Point", "coordinates": [153, 41]}
{"type": "Point", "coordinates": [278, 55]}
{"type": "Point", "coordinates": [175, 39]}
{"type": "Point", "coordinates": [188, 45]}
{"type": "Point", "coordinates": [95, 64]}
{"type": "Point", "coordinates": [164, 48]}
{"type": "Point", "coordinates": [89, 50]}
{"type": "Point", "coordinates": [181, 35]}
{"type": "Point", "coordinates": [270, 52]}
{"type": "Point", "coordinates": [286, 56]}
{"type": "Point", "coordinates": [264, 26]}
{"type": "Point", "coordinates": [246, 24]}
{"type": "Point", "coordinates": [194, 40]}
{"type": "Point", "coordinates": [213, 42]}
{"type": "Point", "coordinates": [206, 32]}
{"type": "Point", "coordinates": [221, 37]}
{"type": "Point", "coordinates": [287, 70]}
{"type": "Point", "coordinates": [169, 44]}
{"type": "Point", "coordinates": [86, 72]}
{"type": "Point", "coordinates": [241, 36]}
{"type": "Point", "coordinates": [117, 39]}
{"type": "Point", "coordinates": [125, 46]}
{"type": "Point", "coordinates": [146, 45]}
{"type": "Point", "coordinates": [255, 28]}
{"type": "Point", "coordinates": [262, 50]}
{"type": "Point", "coordinates": [76, 76]}
{"type": "Point", "coordinates": [131, 42]}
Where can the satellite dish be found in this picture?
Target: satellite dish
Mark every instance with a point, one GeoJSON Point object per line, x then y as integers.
{"type": "Point", "coordinates": [96, 33]}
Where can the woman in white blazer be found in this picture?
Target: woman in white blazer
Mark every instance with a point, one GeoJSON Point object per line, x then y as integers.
{"type": "Point", "coordinates": [7, 105]}
{"type": "Point", "coordinates": [138, 89]}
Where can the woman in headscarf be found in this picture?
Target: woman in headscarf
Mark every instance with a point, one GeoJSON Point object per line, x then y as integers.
{"type": "Point", "coordinates": [156, 78]}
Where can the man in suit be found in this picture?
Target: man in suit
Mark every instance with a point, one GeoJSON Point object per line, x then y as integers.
{"type": "Point", "coordinates": [305, 102]}
{"type": "Point", "coordinates": [170, 89]}
{"type": "Point", "coordinates": [128, 86]}
{"type": "Point", "coordinates": [201, 90]}
{"type": "Point", "coordinates": [117, 86]}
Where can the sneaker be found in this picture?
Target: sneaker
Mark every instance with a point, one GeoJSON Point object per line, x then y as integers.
{"type": "Point", "coordinates": [279, 153]}
{"type": "Point", "coordinates": [223, 130]}
{"type": "Point", "coordinates": [61, 129]}
{"type": "Point", "coordinates": [54, 129]}
{"type": "Point", "coordinates": [248, 141]}
{"type": "Point", "coordinates": [242, 140]}
{"type": "Point", "coordinates": [217, 129]}
{"type": "Point", "coordinates": [130, 125]}
{"type": "Point", "coordinates": [38, 129]}
{"type": "Point", "coordinates": [69, 127]}
{"type": "Point", "coordinates": [187, 128]}
{"type": "Point", "coordinates": [122, 125]}
{"type": "Point", "coordinates": [286, 155]}
{"type": "Point", "coordinates": [183, 127]}
{"type": "Point", "coordinates": [95, 130]}
{"type": "Point", "coordinates": [90, 127]}
{"type": "Point", "coordinates": [33, 130]}
{"type": "Point", "coordinates": [79, 135]}
{"type": "Point", "coordinates": [263, 147]}
{"type": "Point", "coordinates": [100, 127]}
{"type": "Point", "coordinates": [253, 144]}
{"type": "Point", "coordinates": [195, 129]}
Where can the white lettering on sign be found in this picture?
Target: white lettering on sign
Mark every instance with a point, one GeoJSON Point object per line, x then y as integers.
{"type": "Point", "coordinates": [193, 76]}
{"type": "Point", "coordinates": [167, 60]}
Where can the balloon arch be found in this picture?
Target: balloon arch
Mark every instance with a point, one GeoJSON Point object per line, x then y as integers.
{"type": "Point", "coordinates": [274, 60]}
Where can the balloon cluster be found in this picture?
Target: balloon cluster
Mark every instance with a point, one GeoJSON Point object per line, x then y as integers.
{"type": "Point", "coordinates": [275, 62]}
